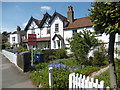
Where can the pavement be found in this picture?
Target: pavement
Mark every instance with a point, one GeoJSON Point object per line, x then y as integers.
{"type": "Point", "coordinates": [12, 77]}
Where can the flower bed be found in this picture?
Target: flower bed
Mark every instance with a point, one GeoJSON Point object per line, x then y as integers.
{"type": "Point", "coordinates": [59, 66]}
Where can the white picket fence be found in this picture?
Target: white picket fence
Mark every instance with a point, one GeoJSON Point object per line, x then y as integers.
{"type": "Point", "coordinates": [77, 81]}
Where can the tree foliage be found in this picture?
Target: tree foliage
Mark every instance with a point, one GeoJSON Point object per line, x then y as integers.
{"type": "Point", "coordinates": [106, 17]}
{"type": "Point", "coordinates": [81, 43]}
{"type": "Point", "coordinates": [5, 42]}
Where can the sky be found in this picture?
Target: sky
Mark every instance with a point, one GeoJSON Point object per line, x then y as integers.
{"type": "Point", "coordinates": [18, 13]}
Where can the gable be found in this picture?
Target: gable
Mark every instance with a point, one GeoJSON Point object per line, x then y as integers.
{"type": "Point", "coordinates": [57, 36]}
{"type": "Point", "coordinates": [32, 25]}
{"type": "Point", "coordinates": [31, 20]}
{"type": "Point", "coordinates": [44, 20]}
{"type": "Point", "coordinates": [46, 23]}
{"type": "Point", "coordinates": [61, 17]}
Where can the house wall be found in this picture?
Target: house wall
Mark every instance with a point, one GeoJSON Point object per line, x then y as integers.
{"type": "Point", "coordinates": [35, 31]}
{"type": "Point", "coordinates": [69, 33]}
{"type": "Point", "coordinates": [44, 29]}
{"type": "Point", "coordinates": [17, 39]}
{"type": "Point", "coordinates": [56, 20]}
{"type": "Point", "coordinates": [103, 37]}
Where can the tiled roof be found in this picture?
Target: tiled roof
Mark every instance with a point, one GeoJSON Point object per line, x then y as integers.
{"type": "Point", "coordinates": [22, 33]}
{"type": "Point", "coordinates": [43, 39]}
{"type": "Point", "coordinates": [79, 23]}
{"type": "Point", "coordinates": [57, 35]}
{"type": "Point", "coordinates": [15, 32]}
{"type": "Point", "coordinates": [39, 39]}
{"type": "Point", "coordinates": [38, 21]}
{"type": "Point", "coordinates": [64, 19]}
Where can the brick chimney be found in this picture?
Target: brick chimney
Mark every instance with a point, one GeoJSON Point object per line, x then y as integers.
{"type": "Point", "coordinates": [70, 14]}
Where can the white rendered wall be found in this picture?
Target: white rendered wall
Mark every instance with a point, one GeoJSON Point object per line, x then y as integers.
{"type": "Point", "coordinates": [35, 31]}
{"type": "Point", "coordinates": [69, 33]}
{"type": "Point", "coordinates": [56, 20]}
{"type": "Point", "coordinates": [44, 29]}
{"type": "Point", "coordinates": [11, 56]}
{"type": "Point", "coordinates": [17, 38]}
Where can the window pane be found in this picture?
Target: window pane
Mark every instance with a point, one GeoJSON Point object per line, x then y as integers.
{"type": "Point", "coordinates": [13, 38]}
{"type": "Point", "coordinates": [56, 27]}
{"type": "Point", "coordinates": [48, 30]}
{"type": "Point", "coordinates": [74, 31]}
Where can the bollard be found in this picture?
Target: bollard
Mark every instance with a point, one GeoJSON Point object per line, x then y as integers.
{"type": "Point", "coordinates": [50, 77]}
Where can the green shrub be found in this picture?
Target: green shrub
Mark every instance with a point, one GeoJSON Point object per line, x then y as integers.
{"type": "Point", "coordinates": [87, 70]}
{"type": "Point", "coordinates": [70, 62]}
{"type": "Point", "coordinates": [47, 55]}
{"type": "Point", "coordinates": [61, 78]}
{"type": "Point", "coordinates": [99, 58]}
{"type": "Point", "coordinates": [105, 76]}
{"type": "Point", "coordinates": [40, 77]}
{"type": "Point", "coordinates": [54, 54]}
{"type": "Point", "coordinates": [21, 49]}
{"type": "Point", "coordinates": [117, 63]}
{"type": "Point", "coordinates": [60, 53]}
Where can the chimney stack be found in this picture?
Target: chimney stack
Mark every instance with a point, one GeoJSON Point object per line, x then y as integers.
{"type": "Point", "coordinates": [70, 14]}
{"type": "Point", "coordinates": [18, 28]}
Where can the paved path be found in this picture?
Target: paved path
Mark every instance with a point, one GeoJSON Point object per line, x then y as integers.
{"type": "Point", "coordinates": [12, 77]}
{"type": "Point", "coordinates": [99, 72]}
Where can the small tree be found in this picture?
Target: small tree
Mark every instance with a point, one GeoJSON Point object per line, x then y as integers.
{"type": "Point", "coordinates": [81, 43]}
{"type": "Point", "coordinates": [106, 19]}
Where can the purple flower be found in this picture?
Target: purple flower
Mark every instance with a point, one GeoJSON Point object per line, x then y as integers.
{"type": "Point", "coordinates": [69, 68]}
{"type": "Point", "coordinates": [75, 68]}
{"type": "Point", "coordinates": [51, 65]}
{"type": "Point", "coordinates": [64, 66]}
{"type": "Point", "coordinates": [33, 65]}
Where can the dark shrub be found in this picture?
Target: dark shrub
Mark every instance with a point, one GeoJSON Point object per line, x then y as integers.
{"type": "Point", "coordinates": [47, 54]}
{"type": "Point", "coordinates": [99, 58]}
{"type": "Point", "coordinates": [60, 53]}
{"type": "Point", "coordinates": [54, 54]}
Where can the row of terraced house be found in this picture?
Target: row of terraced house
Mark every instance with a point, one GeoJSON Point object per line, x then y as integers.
{"type": "Point", "coordinates": [53, 31]}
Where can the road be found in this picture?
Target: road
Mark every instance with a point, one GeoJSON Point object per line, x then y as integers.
{"type": "Point", "coordinates": [12, 77]}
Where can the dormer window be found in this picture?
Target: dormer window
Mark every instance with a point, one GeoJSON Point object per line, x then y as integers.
{"type": "Point", "coordinates": [56, 27]}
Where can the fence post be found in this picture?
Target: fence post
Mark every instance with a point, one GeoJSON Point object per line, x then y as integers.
{"type": "Point", "coordinates": [101, 85]}
{"type": "Point", "coordinates": [70, 82]}
{"type": "Point", "coordinates": [50, 77]}
{"type": "Point", "coordinates": [76, 81]}
{"type": "Point", "coordinates": [80, 81]}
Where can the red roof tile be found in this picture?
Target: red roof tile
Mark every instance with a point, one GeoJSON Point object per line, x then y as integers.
{"type": "Point", "coordinates": [39, 39]}
{"type": "Point", "coordinates": [38, 21]}
{"type": "Point", "coordinates": [79, 23]}
{"type": "Point", "coordinates": [43, 39]}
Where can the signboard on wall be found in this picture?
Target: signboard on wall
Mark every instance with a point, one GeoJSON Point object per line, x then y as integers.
{"type": "Point", "coordinates": [32, 40]}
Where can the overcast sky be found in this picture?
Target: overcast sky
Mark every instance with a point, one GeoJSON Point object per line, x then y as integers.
{"type": "Point", "coordinates": [18, 13]}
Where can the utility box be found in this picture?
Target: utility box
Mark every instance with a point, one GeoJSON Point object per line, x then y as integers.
{"type": "Point", "coordinates": [39, 57]}
{"type": "Point", "coordinates": [24, 60]}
